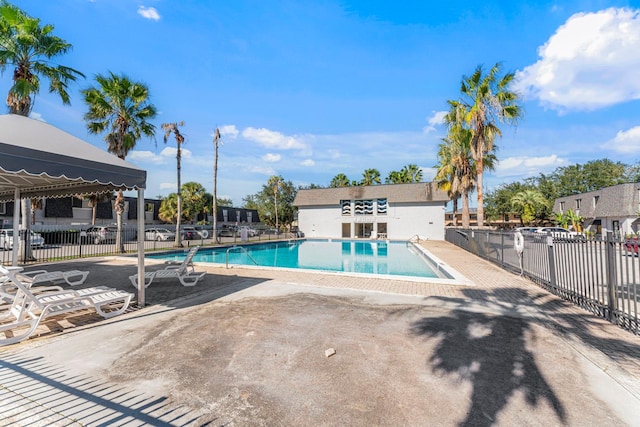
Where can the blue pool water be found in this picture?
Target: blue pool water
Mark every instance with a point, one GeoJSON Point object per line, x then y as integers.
{"type": "Point", "coordinates": [373, 257]}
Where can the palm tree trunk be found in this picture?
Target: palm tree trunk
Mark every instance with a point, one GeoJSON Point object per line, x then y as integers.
{"type": "Point", "coordinates": [455, 212]}
{"type": "Point", "coordinates": [25, 253]}
{"type": "Point", "coordinates": [466, 217]}
{"type": "Point", "coordinates": [479, 171]}
{"type": "Point", "coordinates": [119, 205]}
{"type": "Point", "coordinates": [178, 241]}
{"type": "Point", "coordinates": [215, 188]}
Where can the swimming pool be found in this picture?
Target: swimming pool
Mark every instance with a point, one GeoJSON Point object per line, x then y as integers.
{"type": "Point", "coordinates": [351, 256]}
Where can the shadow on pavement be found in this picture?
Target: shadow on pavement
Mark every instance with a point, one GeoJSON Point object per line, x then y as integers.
{"type": "Point", "coordinates": [489, 352]}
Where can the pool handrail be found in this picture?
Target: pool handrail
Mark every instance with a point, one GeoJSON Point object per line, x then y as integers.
{"type": "Point", "coordinates": [238, 247]}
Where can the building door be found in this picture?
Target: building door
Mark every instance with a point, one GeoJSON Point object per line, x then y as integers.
{"type": "Point", "coordinates": [346, 230]}
{"type": "Point", "coordinates": [382, 230]}
{"type": "Point", "coordinates": [363, 230]}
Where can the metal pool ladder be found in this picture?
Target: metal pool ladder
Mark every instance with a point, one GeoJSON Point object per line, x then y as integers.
{"type": "Point", "coordinates": [245, 251]}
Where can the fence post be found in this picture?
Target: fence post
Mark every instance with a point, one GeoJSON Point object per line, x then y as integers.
{"type": "Point", "coordinates": [552, 262]}
{"type": "Point", "coordinates": [611, 276]}
{"type": "Point", "coordinates": [502, 249]}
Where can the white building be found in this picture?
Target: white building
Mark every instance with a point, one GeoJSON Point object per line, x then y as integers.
{"type": "Point", "coordinates": [396, 211]}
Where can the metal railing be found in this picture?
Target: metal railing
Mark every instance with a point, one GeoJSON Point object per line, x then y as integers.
{"type": "Point", "coordinates": [242, 249]}
{"type": "Point", "coordinates": [602, 276]}
{"type": "Point", "coordinates": [60, 245]}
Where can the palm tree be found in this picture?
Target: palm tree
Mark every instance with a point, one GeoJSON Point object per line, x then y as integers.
{"type": "Point", "coordinates": [340, 180]}
{"type": "Point", "coordinates": [173, 128]}
{"type": "Point", "coordinates": [370, 177]}
{"type": "Point", "coordinates": [36, 204]}
{"type": "Point", "coordinates": [485, 101]}
{"type": "Point", "coordinates": [561, 219]}
{"type": "Point", "coordinates": [394, 177]}
{"type": "Point", "coordinates": [93, 200]}
{"type": "Point", "coordinates": [530, 201]}
{"type": "Point", "coordinates": [194, 200]}
{"type": "Point", "coordinates": [30, 49]}
{"type": "Point", "coordinates": [446, 179]}
{"type": "Point", "coordinates": [216, 142]}
{"type": "Point", "coordinates": [274, 182]}
{"type": "Point", "coordinates": [411, 173]}
{"type": "Point", "coordinates": [456, 171]}
{"type": "Point", "coordinates": [121, 108]}
{"type": "Point", "coordinates": [575, 219]}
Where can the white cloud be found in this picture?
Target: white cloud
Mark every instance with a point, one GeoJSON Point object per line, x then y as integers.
{"type": "Point", "coordinates": [627, 141]}
{"type": "Point", "coordinates": [334, 154]}
{"type": "Point", "coordinates": [168, 186]}
{"type": "Point", "coordinates": [272, 139]}
{"type": "Point", "coordinates": [262, 170]}
{"type": "Point", "coordinates": [589, 63]}
{"type": "Point", "coordinates": [229, 131]}
{"type": "Point", "coordinates": [145, 156]}
{"type": "Point", "coordinates": [307, 162]}
{"type": "Point", "coordinates": [173, 151]}
{"type": "Point", "coordinates": [149, 13]}
{"type": "Point", "coordinates": [527, 166]}
{"type": "Point", "coordinates": [37, 116]}
{"type": "Point", "coordinates": [271, 158]}
{"type": "Point", "coordinates": [436, 119]}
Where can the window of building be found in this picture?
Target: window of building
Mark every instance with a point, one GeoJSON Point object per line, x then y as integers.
{"type": "Point", "coordinates": [363, 207]}
{"type": "Point", "coordinates": [346, 207]}
{"type": "Point", "coordinates": [578, 203]}
{"type": "Point", "coordinates": [249, 217]}
{"type": "Point", "coordinates": [595, 200]}
{"type": "Point", "coordinates": [561, 207]}
{"type": "Point", "coordinates": [3, 208]}
{"type": "Point", "coordinates": [148, 207]}
{"type": "Point", "coordinates": [382, 206]}
{"type": "Point", "coordinates": [225, 215]}
{"type": "Point", "coordinates": [76, 202]}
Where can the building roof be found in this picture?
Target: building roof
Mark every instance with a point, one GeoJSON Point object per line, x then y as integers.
{"type": "Point", "coordinates": [394, 193]}
{"type": "Point", "coordinates": [622, 200]}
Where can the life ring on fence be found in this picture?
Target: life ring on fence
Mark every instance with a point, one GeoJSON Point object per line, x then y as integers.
{"type": "Point", "coordinates": [518, 242]}
{"type": "Point", "coordinates": [204, 234]}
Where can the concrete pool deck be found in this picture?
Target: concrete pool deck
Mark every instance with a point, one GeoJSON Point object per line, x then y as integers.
{"type": "Point", "coordinates": [247, 347]}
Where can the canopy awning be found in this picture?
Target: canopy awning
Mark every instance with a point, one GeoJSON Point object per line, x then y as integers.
{"type": "Point", "coordinates": [40, 160]}
{"type": "Point", "coordinates": [44, 161]}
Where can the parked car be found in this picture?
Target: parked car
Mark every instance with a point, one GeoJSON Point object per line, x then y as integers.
{"type": "Point", "coordinates": [229, 231]}
{"type": "Point", "coordinates": [99, 234]}
{"type": "Point", "coordinates": [190, 233]}
{"type": "Point", "coordinates": [6, 239]}
{"type": "Point", "coordinates": [560, 233]}
{"type": "Point", "coordinates": [251, 232]}
{"type": "Point", "coordinates": [527, 230]}
{"type": "Point", "coordinates": [159, 234]}
{"type": "Point", "coordinates": [632, 245]}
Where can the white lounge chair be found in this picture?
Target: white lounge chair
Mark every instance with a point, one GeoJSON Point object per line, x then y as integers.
{"type": "Point", "coordinates": [72, 277]}
{"type": "Point", "coordinates": [39, 277]}
{"type": "Point", "coordinates": [184, 271]}
{"type": "Point", "coordinates": [27, 309]}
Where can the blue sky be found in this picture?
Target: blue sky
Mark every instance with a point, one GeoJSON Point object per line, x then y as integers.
{"type": "Point", "coordinates": [310, 89]}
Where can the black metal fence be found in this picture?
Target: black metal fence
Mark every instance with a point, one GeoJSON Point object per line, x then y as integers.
{"type": "Point", "coordinates": [602, 276]}
{"type": "Point", "coordinates": [65, 244]}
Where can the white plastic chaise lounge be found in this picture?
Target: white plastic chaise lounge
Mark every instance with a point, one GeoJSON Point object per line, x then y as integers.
{"type": "Point", "coordinates": [28, 310]}
{"type": "Point", "coordinates": [72, 277]}
{"type": "Point", "coordinates": [183, 271]}
{"type": "Point", "coordinates": [39, 277]}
